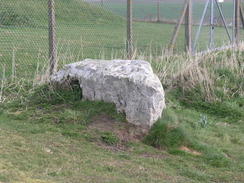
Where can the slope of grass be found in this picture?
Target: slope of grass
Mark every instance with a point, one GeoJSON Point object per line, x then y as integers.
{"type": "Point", "coordinates": [39, 143]}
{"type": "Point", "coordinates": [24, 33]}
{"type": "Point", "coordinates": [47, 135]}
{"type": "Point", "coordinates": [35, 13]}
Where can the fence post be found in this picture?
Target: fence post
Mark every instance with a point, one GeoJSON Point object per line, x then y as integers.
{"type": "Point", "coordinates": [233, 22]}
{"type": "Point", "coordinates": [101, 3]}
{"type": "Point", "coordinates": [52, 38]}
{"type": "Point", "coordinates": [188, 28]}
{"type": "Point", "coordinates": [129, 46]}
{"type": "Point", "coordinates": [242, 15]}
{"type": "Point", "coordinates": [211, 46]}
{"type": "Point", "coordinates": [237, 21]}
{"type": "Point", "coordinates": [177, 26]}
{"type": "Point", "coordinates": [158, 12]}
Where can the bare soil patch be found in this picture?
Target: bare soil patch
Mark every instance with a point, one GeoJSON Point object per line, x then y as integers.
{"type": "Point", "coordinates": [191, 151]}
{"type": "Point", "coordinates": [126, 132]}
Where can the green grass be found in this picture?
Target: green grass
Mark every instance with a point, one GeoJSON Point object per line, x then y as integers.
{"type": "Point", "coordinates": [29, 45]}
{"type": "Point", "coordinates": [167, 132]}
{"type": "Point", "coordinates": [49, 136]}
{"type": "Point", "coordinates": [83, 31]}
{"type": "Point", "coordinates": [68, 11]}
{"type": "Point", "coordinates": [46, 138]}
{"type": "Point", "coordinates": [46, 135]}
{"type": "Point", "coordinates": [168, 11]}
{"type": "Point", "coordinates": [109, 138]}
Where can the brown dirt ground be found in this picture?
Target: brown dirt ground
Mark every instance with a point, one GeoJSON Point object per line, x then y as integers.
{"type": "Point", "coordinates": [126, 132]}
{"type": "Point", "coordinates": [191, 151]}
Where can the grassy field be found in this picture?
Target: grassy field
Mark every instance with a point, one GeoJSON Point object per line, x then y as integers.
{"type": "Point", "coordinates": [168, 11]}
{"type": "Point", "coordinates": [51, 135]}
{"type": "Point", "coordinates": [27, 47]}
{"type": "Point", "coordinates": [98, 34]}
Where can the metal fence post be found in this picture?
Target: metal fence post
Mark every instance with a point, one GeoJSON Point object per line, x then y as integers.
{"type": "Point", "coordinates": [242, 15]}
{"type": "Point", "coordinates": [129, 44]}
{"type": "Point", "coordinates": [188, 28]}
{"type": "Point", "coordinates": [200, 26]}
{"type": "Point", "coordinates": [233, 23]}
{"type": "Point", "coordinates": [211, 25]}
{"type": "Point", "coordinates": [52, 38]}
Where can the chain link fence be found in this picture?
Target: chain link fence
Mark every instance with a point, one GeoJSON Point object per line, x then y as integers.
{"type": "Point", "coordinates": [95, 29]}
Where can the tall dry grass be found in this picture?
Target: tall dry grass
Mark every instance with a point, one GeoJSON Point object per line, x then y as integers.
{"type": "Point", "coordinates": [189, 72]}
{"type": "Point", "coordinates": [174, 70]}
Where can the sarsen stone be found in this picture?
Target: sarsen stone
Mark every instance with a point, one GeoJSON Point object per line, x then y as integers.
{"type": "Point", "coordinates": [129, 84]}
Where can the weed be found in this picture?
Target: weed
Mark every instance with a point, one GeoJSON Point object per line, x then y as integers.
{"type": "Point", "coordinates": [203, 121]}
{"type": "Point", "coordinates": [228, 110]}
{"type": "Point", "coordinates": [53, 174]}
{"type": "Point", "coordinates": [109, 168]}
{"type": "Point", "coordinates": [1, 111]}
{"type": "Point", "coordinates": [70, 134]}
{"type": "Point", "coordinates": [124, 156]}
{"type": "Point", "coordinates": [109, 138]}
{"type": "Point", "coordinates": [176, 151]}
{"type": "Point", "coordinates": [19, 115]}
{"type": "Point", "coordinates": [71, 116]}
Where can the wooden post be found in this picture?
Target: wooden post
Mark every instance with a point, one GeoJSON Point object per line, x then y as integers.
{"type": "Point", "coordinates": [188, 28]}
{"type": "Point", "coordinates": [101, 3]}
{"type": "Point", "coordinates": [237, 21]}
{"type": "Point", "coordinates": [242, 15]}
{"type": "Point", "coordinates": [52, 38]}
{"type": "Point", "coordinates": [158, 12]}
{"type": "Point", "coordinates": [129, 44]}
{"type": "Point", "coordinates": [177, 26]}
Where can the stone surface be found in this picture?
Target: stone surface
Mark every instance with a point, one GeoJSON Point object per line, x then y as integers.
{"type": "Point", "coordinates": [129, 84]}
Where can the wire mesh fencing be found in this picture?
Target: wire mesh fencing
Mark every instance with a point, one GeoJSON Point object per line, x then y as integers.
{"type": "Point", "coordinates": [23, 37]}
{"type": "Point", "coordinates": [96, 29]}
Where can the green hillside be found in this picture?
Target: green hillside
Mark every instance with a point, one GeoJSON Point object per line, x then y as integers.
{"type": "Point", "coordinates": [34, 13]}
{"type": "Point", "coordinates": [51, 135]}
{"type": "Point", "coordinates": [24, 33]}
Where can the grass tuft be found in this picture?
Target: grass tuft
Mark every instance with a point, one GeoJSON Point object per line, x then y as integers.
{"type": "Point", "coordinates": [109, 138]}
{"type": "Point", "coordinates": [167, 132]}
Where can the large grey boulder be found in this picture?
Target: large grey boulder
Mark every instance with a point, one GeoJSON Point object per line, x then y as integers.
{"type": "Point", "coordinates": [129, 84]}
